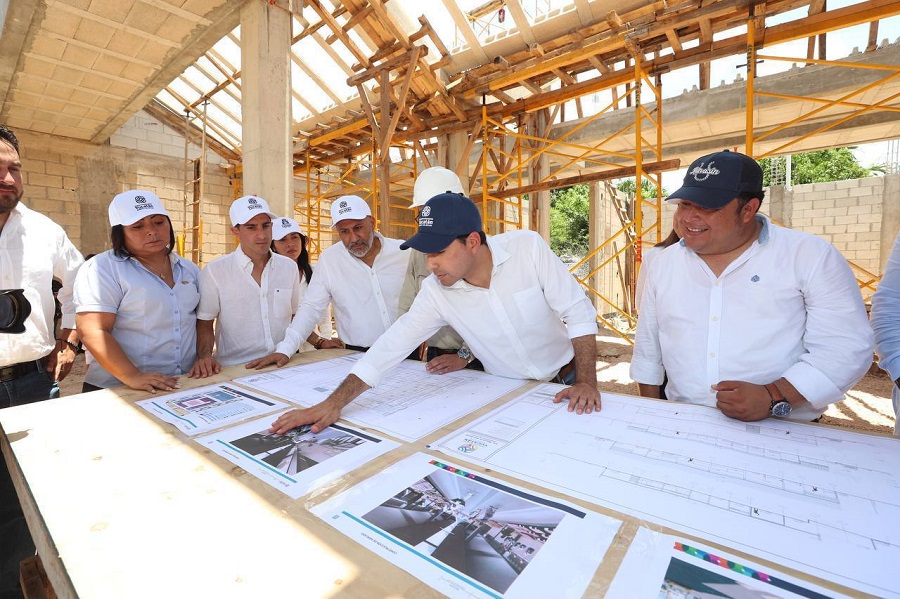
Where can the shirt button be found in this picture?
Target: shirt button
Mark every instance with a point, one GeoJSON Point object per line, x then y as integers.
{"type": "Point", "coordinates": [715, 318]}
{"type": "Point", "coordinates": [712, 355]}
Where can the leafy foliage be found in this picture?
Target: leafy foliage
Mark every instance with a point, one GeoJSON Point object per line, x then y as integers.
{"type": "Point", "coordinates": [569, 208]}
{"type": "Point", "coordinates": [821, 166]}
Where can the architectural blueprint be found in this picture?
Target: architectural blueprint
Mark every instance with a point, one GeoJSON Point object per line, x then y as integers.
{"type": "Point", "coordinates": [817, 499]}
{"type": "Point", "coordinates": [206, 408]}
{"type": "Point", "coordinates": [468, 535]}
{"type": "Point", "coordinates": [408, 404]}
{"type": "Point", "coordinates": [298, 461]}
{"type": "Point", "coordinates": [667, 566]}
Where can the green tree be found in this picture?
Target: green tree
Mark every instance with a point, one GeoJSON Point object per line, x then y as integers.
{"type": "Point", "coordinates": [821, 166]}
{"type": "Point", "coordinates": [569, 208]}
{"type": "Point", "coordinates": [648, 190]}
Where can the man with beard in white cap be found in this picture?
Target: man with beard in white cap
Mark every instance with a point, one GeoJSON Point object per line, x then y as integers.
{"type": "Point", "coordinates": [361, 277]}
{"type": "Point", "coordinates": [250, 289]}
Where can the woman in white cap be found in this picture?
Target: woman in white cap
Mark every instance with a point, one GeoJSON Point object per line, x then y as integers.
{"type": "Point", "coordinates": [136, 304]}
{"type": "Point", "coordinates": [288, 240]}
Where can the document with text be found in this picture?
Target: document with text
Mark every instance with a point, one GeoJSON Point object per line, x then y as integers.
{"type": "Point", "coordinates": [818, 499]}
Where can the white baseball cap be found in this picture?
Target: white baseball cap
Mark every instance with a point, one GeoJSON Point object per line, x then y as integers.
{"type": "Point", "coordinates": [245, 208]}
{"type": "Point", "coordinates": [282, 226]}
{"type": "Point", "coordinates": [131, 206]}
{"type": "Point", "coordinates": [352, 207]}
{"type": "Point", "coordinates": [433, 181]}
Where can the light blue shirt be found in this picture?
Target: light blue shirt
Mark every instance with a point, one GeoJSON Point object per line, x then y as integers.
{"type": "Point", "coordinates": [156, 326]}
{"type": "Point", "coordinates": [886, 323]}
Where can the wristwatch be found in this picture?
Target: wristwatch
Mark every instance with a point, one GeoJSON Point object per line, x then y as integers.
{"type": "Point", "coordinates": [466, 355]}
{"type": "Point", "coordinates": [780, 407]}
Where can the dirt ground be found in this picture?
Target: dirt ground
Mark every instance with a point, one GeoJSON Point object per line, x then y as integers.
{"type": "Point", "coordinates": [867, 407]}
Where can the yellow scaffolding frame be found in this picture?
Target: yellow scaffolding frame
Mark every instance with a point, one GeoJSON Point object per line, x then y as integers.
{"type": "Point", "coordinates": [758, 133]}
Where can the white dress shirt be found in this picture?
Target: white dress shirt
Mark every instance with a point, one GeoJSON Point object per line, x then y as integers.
{"type": "Point", "coordinates": [250, 318]}
{"type": "Point", "coordinates": [34, 250]}
{"type": "Point", "coordinates": [886, 324]}
{"type": "Point", "coordinates": [789, 307]}
{"type": "Point", "coordinates": [520, 327]}
{"type": "Point", "coordinates": [156, 326]}
{"type": "Point", "coordinates": [364, 299]}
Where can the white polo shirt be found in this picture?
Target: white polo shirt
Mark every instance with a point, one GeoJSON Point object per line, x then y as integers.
{"type": "Point", "coordinates": [364, 299]}
{"type": "Point", "coordinates": [520, 327]}
{"type": "Point", "coordinates": [250, 319]}
{"type": "Point", "coordinates": [156, 326]}
{"type": "Point", "coordinates": [789, 307]}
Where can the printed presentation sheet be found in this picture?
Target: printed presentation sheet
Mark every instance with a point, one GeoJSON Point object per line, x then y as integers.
{"type": "Point", "coordinates": [298, 461]}
{"type": "Point", "coordinates": [206, 408]}
{"type": "Point", "coordinates": [408, 404]}
{"type": "Point", "coordinates": [817, 499]}
{"type": "Point", "coordinates": [659, 565]}
{"type": "Point", "coordinates": [467, 535]}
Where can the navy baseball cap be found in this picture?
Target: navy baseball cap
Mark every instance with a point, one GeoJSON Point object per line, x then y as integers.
{"type": "Point", "coordinates": [715, 179]}
{"type": "Point", "coordinates": [442, 219]}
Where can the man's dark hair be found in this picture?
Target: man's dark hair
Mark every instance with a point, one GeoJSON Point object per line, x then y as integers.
{"type": "Point", "coordinates": [9, 137]}
{"type": "Point", "coordinates": [744, 198]}
{"type": "Point", "coordinates": [481, 234]}
{"type": "Point", "coordinates": [117, 239]}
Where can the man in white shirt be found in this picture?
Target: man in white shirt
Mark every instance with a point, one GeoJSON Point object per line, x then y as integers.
{"type": "Point", "coordinates": [755, 319]}
{"type": "Point", "coordinates": [251, 294]}
{"type": "Point", "coordinates": [361, 277]}
{"type": "Point", "coordinates": [33, 250]}
{"type": "Point", "coordinates": [510, 298]}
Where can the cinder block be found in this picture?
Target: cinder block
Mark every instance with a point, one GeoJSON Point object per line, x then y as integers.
{"type": "Point", "coordinates": [864, 209]}
{"type": "Point", "coordinates": [846, 184]}
{"type": "Point", "coordinates": [858, 228]}
{"type": "Point", "coordinates": [44, 180]}
{"type": "Point", "coordinates": [66, 170]}
{"type": "Point", "coordinates": [845, 220]}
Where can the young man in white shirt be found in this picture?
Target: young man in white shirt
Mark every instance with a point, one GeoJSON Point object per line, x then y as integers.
{"type": "Point", "coordinates": [251, 294]}
{"type": "Point", "coordinates": [361, 277]}
{"type": "Point", "coordinates": [754, 319]}
{"type": "Point", "coordinates": [510, 298]}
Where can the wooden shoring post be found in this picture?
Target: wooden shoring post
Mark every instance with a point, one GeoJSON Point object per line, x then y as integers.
{"type": "Point", "coordinates": [751, 75]}
{"type": "Point", "coordinates": [382, 158]}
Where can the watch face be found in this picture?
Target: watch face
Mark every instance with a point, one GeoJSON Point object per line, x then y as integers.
{"type": "Point", "coordinates": [781, 409]}
{"type": "Point", "coordinates": [464, 353]}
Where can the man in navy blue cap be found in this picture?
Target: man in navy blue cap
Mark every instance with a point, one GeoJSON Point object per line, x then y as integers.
{"type": "Point", "coordinates": [509, 297]}
{"type": "Point", "coordinates": [755, 319]}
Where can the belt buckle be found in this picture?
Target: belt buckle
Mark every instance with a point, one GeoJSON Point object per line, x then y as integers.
{"type": "Point", "coordinates": [8, 373]}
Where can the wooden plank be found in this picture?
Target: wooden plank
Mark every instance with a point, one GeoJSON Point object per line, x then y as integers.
{"type": "Point", "coordinates": [616, 173]}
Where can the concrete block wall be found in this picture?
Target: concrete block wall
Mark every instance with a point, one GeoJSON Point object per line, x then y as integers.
{"type": "Point", "coordinates": [72, 182]}
{"type": "Point", "coordinates": [147, 134]}
{"type": "Point", "coordinates": [859, 216]}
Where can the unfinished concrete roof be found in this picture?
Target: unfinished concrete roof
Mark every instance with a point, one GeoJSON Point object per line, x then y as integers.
{"type": "Point", "coordinates": [81, 68]}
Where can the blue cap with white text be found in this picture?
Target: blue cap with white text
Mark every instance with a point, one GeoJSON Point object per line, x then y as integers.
{"type": "Point", "coordinates": [442, 219]}
{"type": "Point", "coordinates": [715, 179]}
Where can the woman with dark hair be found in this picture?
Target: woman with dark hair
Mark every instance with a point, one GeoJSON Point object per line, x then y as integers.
{"type": "Point", "coordinates": [287, 240]}
{"type": "Point", "coordinates": [136, 304]}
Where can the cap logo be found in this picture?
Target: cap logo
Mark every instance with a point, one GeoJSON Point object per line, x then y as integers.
{"type": "Point", "coordinates": [699, 173]}
{"type": "Point", "coordinates": [285, 223]}
{"type": "Point", "coordinates": [140, 203]}
{"type": "Point", "coordinates": [342, 207]}
{"type": "Point", "coordinates": [140, 199]}
{"type": "Point", "coordinates": [426, 210]}
{"type": "Point", "coordinates": [251, 201]}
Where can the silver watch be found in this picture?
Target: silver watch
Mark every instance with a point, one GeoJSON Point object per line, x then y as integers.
{"type": "Point", "coordinates": [465, 354]}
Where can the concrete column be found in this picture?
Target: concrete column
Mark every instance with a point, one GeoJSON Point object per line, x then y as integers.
{"type": "Point", "coordinates": [540, 200]}
{"type": "Point", "coordinates": [597, 234]}
{"type": "Point", "coordinates": [266, 103]}
{"type": "Point", "coordinates": [779, 204]}
{"type": "Point", "coordinates": [890, 217]}
{"type": "Point", "coordinates": [455, 147]}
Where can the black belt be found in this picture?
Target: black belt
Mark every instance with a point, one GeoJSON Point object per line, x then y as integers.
{"type": "Point", "coordinates": [16, 371]}
{"type": "Point", "coordinates": [413, 356]}
{"type": "Point", "coordinates": [564, 371]}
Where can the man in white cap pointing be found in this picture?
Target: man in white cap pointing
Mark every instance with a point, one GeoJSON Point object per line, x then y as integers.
{"type": "Point", "coordinates": [361, 277]}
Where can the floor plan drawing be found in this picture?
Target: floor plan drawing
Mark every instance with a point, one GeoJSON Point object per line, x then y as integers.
{"type": "Point", "coordinates": [426, 401]}
{"type": "Point", "coordinates": [827, 500]}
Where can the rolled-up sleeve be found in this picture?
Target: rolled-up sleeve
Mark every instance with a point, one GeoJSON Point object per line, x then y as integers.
{"type": "Point", "coordinates": [646, 363]}
{"type": "Point", "coordinates": [838, 340]}
{"type": "Point", "coordinates": [564, 295]}
{"type": "Point", "coordinates": [886, 315]}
